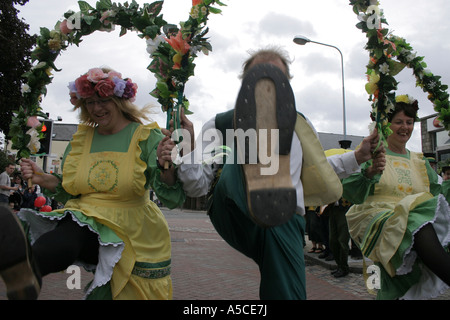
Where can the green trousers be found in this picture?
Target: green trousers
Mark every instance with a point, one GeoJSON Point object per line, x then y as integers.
{"type": "Point", "coordinates": [278, 251]}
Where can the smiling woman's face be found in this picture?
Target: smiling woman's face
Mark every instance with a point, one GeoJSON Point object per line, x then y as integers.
{"type": "Point", "coordinates": [104, 112]}
{"type": "Point", "coordinates": [402, 127]}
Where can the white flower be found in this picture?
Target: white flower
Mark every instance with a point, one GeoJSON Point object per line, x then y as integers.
{"type": "Point", "coordinates": [34, 145]}
{"type": "Point", "coordinates": [432, 84]}
{"type": "Point", "coordinates": [372, 126]}
{"type": "Point", "coordinates": [176, 82]}
{"type": "Point", "coordinates": [362, 17]}
{"type": "Point", "coordinates": [152, 44]}
{"type": "Point", "coordinates": [25, 88]}
{"type": "Point", "coordinates": [205, 51]}
{"type": "Point", "coordinates": [389, 106]}
{"type": "Point", "coordinates": [410, 57]}
{"type": "Point", "coordinates": [404, 51]}
{"type": "Point", "coordinates": [40, 65]}
{"type": "Point", "coordinates": [195, 12]}
{"type": "Point", "coordinates": [384, 68]}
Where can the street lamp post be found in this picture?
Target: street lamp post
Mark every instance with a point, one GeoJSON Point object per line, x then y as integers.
{"type": "Point", "coordinates": [301, 40]}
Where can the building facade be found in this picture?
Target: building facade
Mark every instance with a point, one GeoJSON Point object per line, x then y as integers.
{"type": "Point", "coordinates": [435, 139]}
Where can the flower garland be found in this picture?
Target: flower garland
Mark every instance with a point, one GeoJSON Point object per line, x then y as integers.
{"type": "Point", "coordinates": [96, 82]}
{"type": "Point", "coordinates": [172, 50]}
{"type": "Point", "coordinates": [383, 48]}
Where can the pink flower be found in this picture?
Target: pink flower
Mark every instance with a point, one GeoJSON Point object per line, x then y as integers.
{"type": "Point", "coordinates": [113, 74]}
{"type": "Point", "coordinates": [196, 2]}
{"type": "Point", "coordinates": [130, 90]}
{"type": "Point", "coordinates": [33, 122]}
{"type": "Point", "coordinates": [84, 87]}
{"type": "Point", "coordinates": [105, 88]}
{"type": "Point", "coordinates": [96, 74]}
{"type": "Point", "coordinates": [73, 98]}
{"type": "Point", "coordinates": [64, 28]}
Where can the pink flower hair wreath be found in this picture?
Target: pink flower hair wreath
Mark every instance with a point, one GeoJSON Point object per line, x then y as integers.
{"type": "Point", "coordinates": [95, 81]}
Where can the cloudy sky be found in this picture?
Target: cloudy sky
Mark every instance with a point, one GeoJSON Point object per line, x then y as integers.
{"type": "Point", "coordinates": [252, 24]}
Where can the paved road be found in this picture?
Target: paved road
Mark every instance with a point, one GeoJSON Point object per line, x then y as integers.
{"type": "Point", "coordinates": [204, 267]}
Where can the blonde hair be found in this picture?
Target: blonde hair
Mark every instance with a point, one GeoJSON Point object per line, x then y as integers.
{"type": "Point", "coordinates": [129, 110]}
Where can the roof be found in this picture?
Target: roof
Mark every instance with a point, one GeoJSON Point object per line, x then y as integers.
{"type": "Point", "coordinates": [331, 140]}
{"type": "Point", "coordinates": [63, 131]}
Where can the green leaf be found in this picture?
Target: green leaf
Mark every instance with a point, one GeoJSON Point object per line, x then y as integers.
{"type": "Point", "coordinates": [395, 67]}
{"type": "Point", "coordinates": [88, 19]}
{"type": "Point", "coordinates": [155, 8]}
{"type": "Point", "coordinates": [151, 31]}
{"type": "Point", "coordinates": [123, 31]}
{"type": "Point", "coordinates": [103, 5]}
{"type": "Point", "coordinates": [163, 89]}
{"type": "Point", "coordinates": [215, 10]}
{"type": "Point", "coordinates": [45, 33]}
{"type": "Point", "coordinates": [85, 7]}
{"type": "Point", "coordinates": [169, 28]}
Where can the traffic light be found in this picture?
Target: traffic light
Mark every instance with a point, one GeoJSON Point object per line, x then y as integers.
{"type": "Point", "coordinates": [46, 141]}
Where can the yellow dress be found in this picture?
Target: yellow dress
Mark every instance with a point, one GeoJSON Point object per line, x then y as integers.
{"type": "Point", "coordinates": [111, 198]}
{"type": "Point", "coordinates": [388, 211]}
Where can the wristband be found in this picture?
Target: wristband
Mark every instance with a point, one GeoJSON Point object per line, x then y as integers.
{"type": "Point", "coordinates": [160, 167]}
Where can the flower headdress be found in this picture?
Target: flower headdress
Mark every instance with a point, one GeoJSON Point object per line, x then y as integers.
{"type": "Point", "coordinates": [405, 99]}
{"type": "Point", "coordinates": [104, 84]}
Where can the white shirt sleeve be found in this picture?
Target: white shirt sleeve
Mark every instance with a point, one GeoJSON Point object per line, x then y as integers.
{"type": "Point", "coordinates": [195, 175]}
{"type": "Point", "coordinates": [344, 164]}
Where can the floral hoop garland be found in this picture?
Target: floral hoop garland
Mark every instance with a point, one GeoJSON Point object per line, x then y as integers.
{"type": "Point", "coordinates": [171, 48]}
{"type": "Point", "coordinates": [383, 48]}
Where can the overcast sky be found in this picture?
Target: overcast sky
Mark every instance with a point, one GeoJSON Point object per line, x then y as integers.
{"type": "Point", "coordinates": [252, 24]}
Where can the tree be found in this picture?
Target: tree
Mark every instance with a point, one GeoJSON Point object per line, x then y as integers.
{"type": "Point", "coordinates": [15, 51]}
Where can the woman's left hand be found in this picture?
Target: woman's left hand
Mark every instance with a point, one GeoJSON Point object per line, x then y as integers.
{"type": "Point", "coordinates": [378, 163]}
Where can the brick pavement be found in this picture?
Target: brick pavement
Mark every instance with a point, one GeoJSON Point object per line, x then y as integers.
{"type": "Point", "coordinates": [204, 267]}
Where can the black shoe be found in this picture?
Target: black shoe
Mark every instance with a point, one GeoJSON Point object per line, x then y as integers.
{"type": "Point", "coordinates": [17, 267]}
{"type": "Point", "coordinates": [330, 257]}
{"type": "Point", "coordinates": [340, 273]}
{"type": "Point", "coordinates": [323, 255]}
{"type": "Point", "coordinates": [266, 102]}
{"type": "Point", "coordinates": [357, 257]}
{"type": "Point", "coordinates": [326, 255]}
{"type": "Point", "coordinates": [335, 271]}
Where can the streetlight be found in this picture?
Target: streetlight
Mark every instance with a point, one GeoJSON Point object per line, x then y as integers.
{"type": "Point", "coordinates": [301, 40]}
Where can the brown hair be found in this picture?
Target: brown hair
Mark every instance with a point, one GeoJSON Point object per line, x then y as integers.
{"type": "Point", "coordinates": [410, 110]}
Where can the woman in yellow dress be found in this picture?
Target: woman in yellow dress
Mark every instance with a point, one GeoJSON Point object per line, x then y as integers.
{"type": "Point", "coordinates": [108, 223]}
{"type": "Point", "coordinates": [401, 218]}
